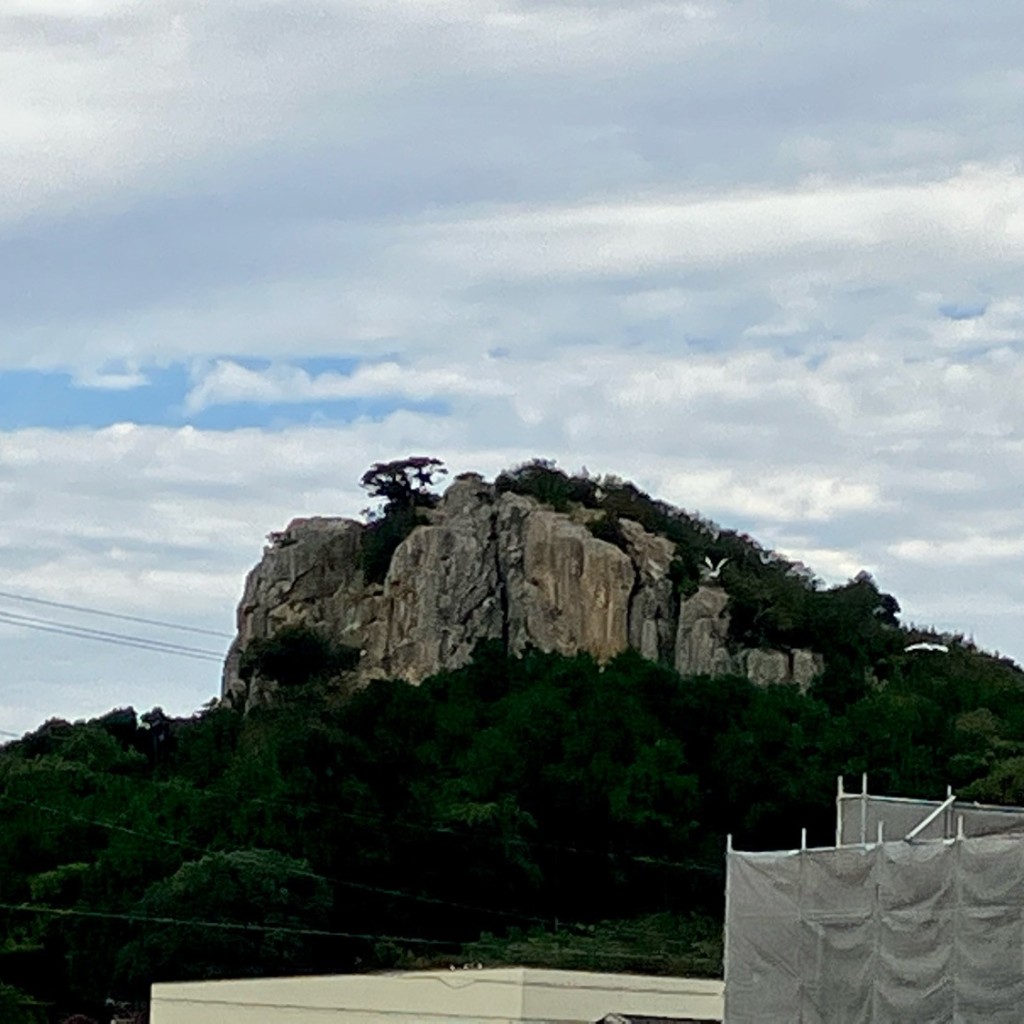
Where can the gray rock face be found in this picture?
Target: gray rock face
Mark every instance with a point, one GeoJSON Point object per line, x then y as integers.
{"type": "Point", "coordinates": [441, 594]}
{"type": "Point", "coordinates": [805, 667]}
{"type": "Point", "coordinates": [766, 667]}
{"type": "Point", "coordinates": [702, 639]}
{"type": "Point", "coordinates": [492, 566]}
{"type": "Point", "coordinates": [770, 667]}
{"type": "Point", "coordinates": [653, 607]}
{"type": "Point", "coordinates": [566, 591]}
{"type": "Point", "coordinates": [309, 574]}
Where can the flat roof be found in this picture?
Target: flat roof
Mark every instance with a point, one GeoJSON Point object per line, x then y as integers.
{"type": "Point", "coordinates": [492, 994]}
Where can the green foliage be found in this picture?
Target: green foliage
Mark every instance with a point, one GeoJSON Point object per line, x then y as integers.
{"type": "Point", "coordinates": [679, 945]}
{"type": "Point", "coordinates": [609, 529]}
{"type": "Point", "coordinates": [511, 794]}
{"type": "Point", "coordinates": [541, 479]}
{"type": "Point", "coordinates": [404, 483]}
{"type": "Point", "coordinates": [262, 899]}
{"type": "Point", "coordinates": [403, 486]}
{"type": "Point", "coordinates": [17, 1007]}
{"type": "Point", "coordinates": [296, 656]}
{"type": "Point", "coordinates": [382, 537]}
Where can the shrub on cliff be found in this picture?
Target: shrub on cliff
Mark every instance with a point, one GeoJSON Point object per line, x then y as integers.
{"type": "Point", "coordinates": [404, 488]}
{"type": "Point", "coordinates": [296, 656]}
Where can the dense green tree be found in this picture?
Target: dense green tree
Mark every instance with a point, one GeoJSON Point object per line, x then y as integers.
{"type": "Point", "coordinates": [236, 913]}
{"type": "Point", "coordinates": [404, 483]}
{"type": "Point", "coordinates": [18, 1007]}
{"type": "Point", "coordinates": [403, 487]}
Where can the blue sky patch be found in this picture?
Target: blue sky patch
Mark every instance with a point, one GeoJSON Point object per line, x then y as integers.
{"type": "Point", "coordinates": [324, 364]}
{"type": "Point", "coordinates": [33, 398]}
{"type": "Point", "coordinates": [963, 311]}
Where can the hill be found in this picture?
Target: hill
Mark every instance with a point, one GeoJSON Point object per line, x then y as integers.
{"type": "Point", "coordinates": [566, 564]}
{"type": "Point", "coordinates": [543, 807]}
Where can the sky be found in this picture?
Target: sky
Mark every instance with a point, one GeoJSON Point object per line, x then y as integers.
{"type": "Point", "coordinates": [760, 256]}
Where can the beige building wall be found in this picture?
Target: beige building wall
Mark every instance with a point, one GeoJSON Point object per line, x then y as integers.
{"type": "Point", "coordinates": [501, 996]}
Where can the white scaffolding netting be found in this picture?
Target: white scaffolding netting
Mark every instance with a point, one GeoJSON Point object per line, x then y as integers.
{"type": "Point", "coordinates": [859, 815]}
{"type": "Point", "coordinates": [888, 933]}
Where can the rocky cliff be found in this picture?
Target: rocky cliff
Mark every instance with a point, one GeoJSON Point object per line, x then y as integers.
{"type": "Point", "coordinates": [496, 566]}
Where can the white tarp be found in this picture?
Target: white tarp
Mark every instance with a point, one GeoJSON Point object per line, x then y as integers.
{"type": "Point", "coordinates": [893, 933]}
{"type": "Point", "coordinates": [859, 815]}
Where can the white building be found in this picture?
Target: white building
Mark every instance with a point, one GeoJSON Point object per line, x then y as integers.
{"type": "Point", "coordinates": [498, 996]}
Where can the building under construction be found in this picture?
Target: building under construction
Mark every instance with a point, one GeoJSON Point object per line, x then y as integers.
{"type": "Point", "coordinates": [915, 915]}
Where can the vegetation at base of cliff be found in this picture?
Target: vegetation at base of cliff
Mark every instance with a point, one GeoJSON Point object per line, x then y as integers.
{"type": "Point", "coordinates": [542, 809]}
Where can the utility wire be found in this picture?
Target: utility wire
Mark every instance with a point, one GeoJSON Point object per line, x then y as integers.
{"type": "Point", "coordinates": [204, 850]}
{"type": "Point", "coordinates": [104, 636]}
{"type": "Point", "coordinates": [110, 915]}
{"type": "Point", "coordinates": [537, 844]}
{"type": "Point", "coordinates": [35, 908]}
{"type": "Point", "coordinates": [113, 615]}
{"type": "Point", "coordinates": [458, 833]}
{"type": "Point", "coordinates": [624, 931]}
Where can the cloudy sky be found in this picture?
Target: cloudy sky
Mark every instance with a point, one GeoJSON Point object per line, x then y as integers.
{"type": "Point", "coordinates": [761, 256]}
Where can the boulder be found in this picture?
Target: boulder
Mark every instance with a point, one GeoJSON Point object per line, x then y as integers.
{"type": "Point", "coordinates": [806, 666]}
{"type": "Point", "coordinates": [310, 573]}
{"type": "Point", "coordinates": [766, 667]}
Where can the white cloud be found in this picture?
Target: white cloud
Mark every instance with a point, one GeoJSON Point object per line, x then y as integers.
{"type": "Point", "coordinates": [704, 246]}
{"type": "Point", "coordinates": [107, 380]}
{"type": "Point", "coordinates": [227, 382]}
{"type": "Point", "coordinates": [850, 463]}
{"type": "Point", "coordinates": [524, 278]}
{"type": "Point", "coordinates": [971, 549]}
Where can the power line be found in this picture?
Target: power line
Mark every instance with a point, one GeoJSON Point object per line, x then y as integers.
{"type": "Point", "coordinates": [204, 850]}
{"type": "Point", "coordinates": [455, 833]}
{"type": "Point", "coordinates": [105, 636]}
{"type": "Point", "coordinates": [237, 926]}
{"type": "Point", "coordinates": [114, 615]}
{"type": "Point", "coordinates": [461, 833]}
{"type": "Point", "coordinates": [623, 931]}
{"type": "Point", "coordinates": [537, 844]}
{"type": "Point", "coordinates": [109, 915]}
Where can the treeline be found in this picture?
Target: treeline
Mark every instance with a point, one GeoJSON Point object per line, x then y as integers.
{"type": "Point", "coordinates": [542, 809]}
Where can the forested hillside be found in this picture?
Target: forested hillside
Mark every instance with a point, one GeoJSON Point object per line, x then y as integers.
{"type": "Point", "coordinates": [542, 809]}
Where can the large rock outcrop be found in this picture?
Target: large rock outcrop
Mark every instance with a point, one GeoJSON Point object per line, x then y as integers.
{"type": "Point", "coordinates": [491, 566]}
{"type": "Point", "coordinates": [654, 605]}
{"type": "Point", "coordinates": [702, 639]}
